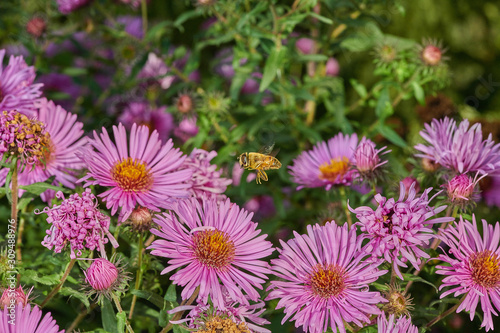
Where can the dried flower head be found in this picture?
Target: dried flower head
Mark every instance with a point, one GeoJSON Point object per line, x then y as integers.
{"type": "Point", "coordinates": [23, 137]}
{"type": "Point", "coordinates": [79, 223]}
{"type": "Point", "coordinates": [399, 304]}
{"type": "Point", "coordinates": [386, 52]}
{"type": "Point", "coordinates": [106, 277]}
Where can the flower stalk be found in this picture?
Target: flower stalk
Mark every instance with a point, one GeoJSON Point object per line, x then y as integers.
{"type": "Point", "coordinates": [58, 287]}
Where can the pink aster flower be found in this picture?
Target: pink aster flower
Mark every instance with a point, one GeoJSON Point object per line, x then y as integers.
{"type": "Point", "coordinates": [156, 69]}
{"type": "Point", "coordinates": [14, 296]}
{"type": "Point", "coordinates": [201, 314]}
{"type": "Point", "coordinates": [491, 191]}
{"type": "Point", "coordinates": [79, 223]}
{"type": "Point", "coordinates": [327, 164]}
{"type": "Point", "coordinates": [145, 172]}
{"type": "Point", "coordinates": [366, 157]}
{"type": "Point", "coordinates": [17, 91]}
{"type": "Point", "coordinates": [393, 325]}
{"type": "Point", "coordinates": [142, 114]}
{"type": "Point", "coordinates": [323, 280]}
{"type": "Point", "coordinates": [206, 181]}
{"type": "Point", "coordinates": [68, 6]}
{"type": "Point", "coordinates": [461, 149]}
{"type": "Point", "coordinates": [210, 245]}
{"type": "Point", "coordinates": [397, 229]}
{"type": "Point", "coordinates": [23, 319]}
{"type": "Point", "coordinates": [187, 129]}
{"type": "Point", "coordinates": [60, 160]}
{"type": "Point", "coordinates": [474, 267]}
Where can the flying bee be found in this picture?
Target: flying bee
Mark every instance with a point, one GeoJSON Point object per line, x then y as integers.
{"type": "Point", "coordinates": [263, 160]}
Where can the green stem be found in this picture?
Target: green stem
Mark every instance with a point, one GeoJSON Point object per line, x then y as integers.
{"type": "Point", "coordinates": [138, 278]}
{"type": "Point", "coordinates": [58, 287]}
{"type": "Point", "coordinates": [343, 196]}
{"type": "Point", "coordinates": [14, 191]}
{"type": "Point", "coordinates": [120, 310]}
{"type": "Point", "coordinates": [20, 236]}
{"type": "Point", "coordinates": [105, 13]}
{"type": "Point", "coordinates": [446, 313]}
{"type": "Point", "coordinates": [80, 317]}
{"type": "Point", "coordinates": [144, 10]}
{"type": "Point", "coordinates": [399, 97]}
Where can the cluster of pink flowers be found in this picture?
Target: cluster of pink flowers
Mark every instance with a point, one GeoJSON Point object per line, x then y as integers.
{"type": "Point", "coordinates": [79, 223]}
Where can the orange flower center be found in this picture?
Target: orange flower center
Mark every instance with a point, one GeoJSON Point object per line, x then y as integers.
{"type": "Point", "coordinates": [334, 171]}
{"type": "Point", "coordinates": [213, 248]}
{"type": "Point", "coordinates": [132, 175]}
{"type": "Point", "coordinates": [327, 280]}
{"type": "Point", "coordinates": [485, 268]}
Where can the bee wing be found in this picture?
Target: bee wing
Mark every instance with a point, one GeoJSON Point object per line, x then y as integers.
{"type": "Point", "coordinates": [268, 150]}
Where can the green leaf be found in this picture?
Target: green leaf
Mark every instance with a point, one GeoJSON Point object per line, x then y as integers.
{"type": "Point", "coordinates": [391, 135]}
{"type": "Point", "coordinates": [180, 329]}
{"type": "Point", "coordinates": [414, 278]}
{"type": "Point", "coordinates": [273, 63]}
{"type": "Point", "coordinates": [163, 318]}
{"type": "Point", "coordinates": [419, 92]}
{"type": "Point", "coordinates": [75, 71]}
{"type": "Point", "coordinates": [49, 280]}
{"type": "Point", "coordinates": [149, 296]}
{"type": "Point", "coordinates": [312, 57]}
{"type": "Point", "coordinates": [184, 17]}
{"type": "Point", "coordinates": [39, 188]}
{"type": "Point", "coordinates": [108, 317]}
{"type": "Point", "coordinates": [360, 89]}
{"type": "Point", "coordinates": [121, 318]}
{"type": "Point", "coordinates": [67, 291]}
{"type": "Point", "coordinates": [384, 108]}
{"type": "Point", "coordinates": [171, 294]}
{"type": "Point", "coordinates": [23, 202]}
{"type": "Point", "coordinates": [321, 18]}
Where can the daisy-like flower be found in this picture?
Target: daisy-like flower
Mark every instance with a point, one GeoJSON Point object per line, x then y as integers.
{"type": "Point", "coordinates": [23, 319]}
{"type": "Point", "coordinates": [213, 244]}
{"type": "Point", "coordinates": [327, 164]}
{"type": "Point", "coordinates": [68, 6]}
{"type": "Point", "coordinates": [393, 325]}
{"type": "Point", "coordinates": [206, 180]}
{"type": "Point", "coordinates": [155, 69]}
{"type": "Point", "coordinates": [397, 229]}
{"type": "Point", "coordinates": [106, 277]}
{"type": "Point", "coordinates": [461, 149]}
{"type": "Point", "coordinates": [141, 113]}
{"type": "Point", "coordinates": [323, 280]}
{"type": "Point", "coordinates": [206, 316]}
{"type": "Point", "coordinates": [144, 172]}
{"type": "Point", "coordinates": [367, 157]}
{"type": "Point", "coordinates": [64, 140]}
{"type": "Point", "coordinates": [22, 137]}
{"type": "Point", "coordinates": [474, 267]}
{"type": "Point", "coordinates": [77, 221]}
{"type": "Point", "coordinates": [17, 90]}
{"type": "Point", "coordinates": [187, 128]}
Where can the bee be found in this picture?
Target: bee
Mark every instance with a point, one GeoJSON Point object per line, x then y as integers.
{"type": "Point", "coordinates": [263, 160]}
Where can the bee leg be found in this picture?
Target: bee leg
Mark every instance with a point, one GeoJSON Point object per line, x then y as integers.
{"type": "Point", "coordinates": [257, 179]}
{"type": "Point", "coordinates": [262, 174]}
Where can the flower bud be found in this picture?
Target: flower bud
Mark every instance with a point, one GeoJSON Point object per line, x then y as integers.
{"type": "Point", "coordinates": [36, 26]}
{"type": "Point", "coordinates": [408, 181]}
{"type": "Point", "coordinates": [332, 67]}
{"type": "Point", "coordinates": [140, 219]}
{"type": "Point", "coordinates": [184, 103]}
{"type": "Point", "coordinates": [460, 187]}
{"type": "Point", "coordinates": [305, 45]}
{"type": "Point", "coordinates": [14, 296]}
{"type": "Point", "coordinates": [430, 165]}
{"type": "Point", "coordinates": [102, 274]}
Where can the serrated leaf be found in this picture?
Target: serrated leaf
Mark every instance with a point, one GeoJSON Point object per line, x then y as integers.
{"type": "Point", "coordinates": [39, 188]}
{"type": "Point", "coordinates": [108, 317]}
{"type": "Point", "coordinates": [418, 92]}
{"type": "Point", "coordinates": [391, 135]}
{"type": "Point", "coordinates": [67, 291]}
{"type": "Point", "coordinates": [384, 108]}
{"type": "Point", "coordinates": [48, 280]}
{"type": "Point", "coordinates": [149, 296]}
{"type": "Point", "coordinates": [273, 63]}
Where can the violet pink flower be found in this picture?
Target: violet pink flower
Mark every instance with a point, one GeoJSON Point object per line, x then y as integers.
{"type": "Point", "coordinates": [144, 172]}
{"type": "Point", "coordinates": [474, 267]}
{"type": "Point", "coordinates": [491, 191]}
{"type": "Point", "coordinates": [155, 69]}
{"type": "Point", "coordinates": [79, 223]}
{"type": "Point", "coordinates": [27, 320]}
{"type": "Point", "coordinates": [155, 119]}
{"type": "Point", "coordinates": [60, 160]}
{"type": "Point", "coordinates": [68, 6]}
{"type": "Point", "coordinates": [397, 229]}
{"type": "Point", "coordinates": [461, 149]}
{"type": "Point", "coordinates": [327, 164]}
{"type": "Point", "coordinates": [210, 245]}
{"type": "Point", "coordinates": [323, 280]}
{"type": "Point", "coordinates": [366, 157]}
{"type": "Point", "coordinates": [17, 90]}
{"type": "Point", "coordinates": [395, 325]}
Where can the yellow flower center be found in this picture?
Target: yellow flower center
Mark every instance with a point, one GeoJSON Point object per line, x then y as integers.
{"type": "Point", "coordinates": [485, 267]}
{"type": "Point", "coordinates": [335, 170]}
{"type": "Point", "coordinates": [132, 175]}
{"type": "Point", "coordinates": [213, 248]}
{"type": "Point", "coordinates": [327, 280]}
